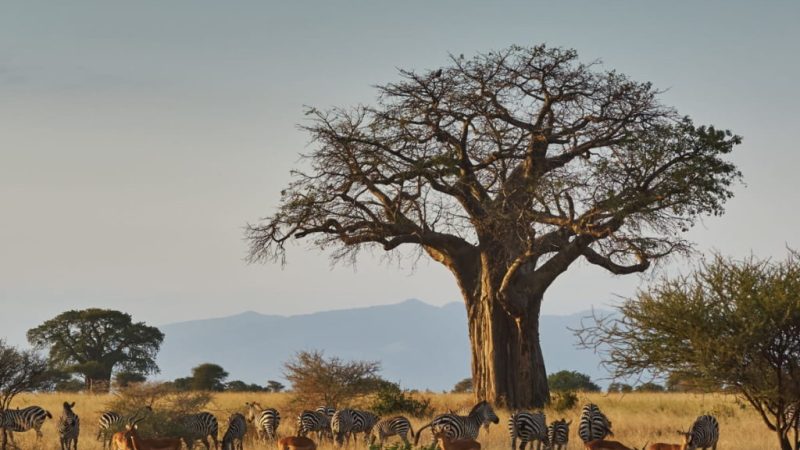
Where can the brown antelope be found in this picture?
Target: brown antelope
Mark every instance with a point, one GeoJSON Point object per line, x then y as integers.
{"type": "Point", "coordinates": [602, 444]}
{"type": "Point", "coordinates": [119, 441]}
{"type": "Point", "coordinates": [663, 446]}
{"type": "Point", "coordinates": [134, 442]}
{"type": "Point", "coordinates": [296, 443]}
{"type": "Point", "coordinates": [457, 444]}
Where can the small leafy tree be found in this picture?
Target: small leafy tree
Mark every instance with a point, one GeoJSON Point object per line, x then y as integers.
{"type": "Point", "coordinates": [650, 387]}
{"type": "Point", "coordinates": [620, 388]}
{"type": "Point", "coordinates": [96, 342]}
{"type": "Point", "coordinates": [275, 386]}
{"type": "Point", "coordinates": [330, 381]}
{"type": "Point", "coordinates": [731, 323]}
{"type": "Point", "coordinates": [168, 406]}
{"type": "Point", "coordinates": [569, 380]}
{"type": "Point", "coordinates": [241, 386]}
{"type": "Point", "coordinates": [20, 371]}
{"type": "Point", "coordinates": [391, 399]}
{"type": "Point", "coordinates": [464, 385]}
{"type": "Point", "coordinates": [126, 378]}
{"type": "Point", "coordinates": [208, 377]}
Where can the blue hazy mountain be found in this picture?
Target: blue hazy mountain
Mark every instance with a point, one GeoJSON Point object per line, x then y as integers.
{"type": "Point", "coordinates": [420, 345]}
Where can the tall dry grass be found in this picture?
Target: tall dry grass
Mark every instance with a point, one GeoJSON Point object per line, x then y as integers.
{"type": "Point", "coordinates": [637, 418]}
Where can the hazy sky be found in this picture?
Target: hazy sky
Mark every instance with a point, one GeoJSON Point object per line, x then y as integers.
{"type": "Point", "coordinates": [138, 138]}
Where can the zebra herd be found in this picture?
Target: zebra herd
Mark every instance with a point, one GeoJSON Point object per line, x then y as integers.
{"type": "Point", "coordinates": [343, 425]}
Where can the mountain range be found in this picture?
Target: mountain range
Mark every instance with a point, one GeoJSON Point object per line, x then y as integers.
{"type": "Point", "coordinates": [421, 346]}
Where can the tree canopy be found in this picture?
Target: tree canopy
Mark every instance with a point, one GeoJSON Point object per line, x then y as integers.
{"type": "Point", "coordinates": [506, 168]}
{"type": "Point", "coordinates": [570, 380]}
{"type": "Point", "coordinates": [95, 342]}
{"type": "Point", "coordinates": [731, 324]}
{"type": "Point", "coordinates": [208, 377]}
{"type": "Point", "coordinates": [330, 381]}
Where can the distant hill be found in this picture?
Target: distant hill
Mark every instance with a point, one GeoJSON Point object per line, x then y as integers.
{"type": "Point", "coordinates": [419, 345]}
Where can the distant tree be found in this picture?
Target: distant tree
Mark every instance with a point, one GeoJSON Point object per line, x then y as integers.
{"type": "Point", "coordinates": [241, 386]}
{"type": "Point", "coordinates": [330, 381]}
{"type": "Point", "coordinates": [275, 386]}
{"type": "Point", "coordinates": [620, 388]}
{"type": "Point", "coordinates": [208, 377]}
{"type": "Point", "coordinates": [568, 380]}
{"type": "Point", "coordinates": [20, 371]}
{"type": "Point", "coordinates": [680, 382]}
{"type": "Point", "coordinates": [96, 342]}
{"type": "Point", "coordinates": [182, 384]}
{"type": "Point", "coordinates": [125, 379]}
{"type": "Point", "coordinates": [731, 323]}
{"type": "Point", "coordinates": [650, 387]}
{"type": "Point", "coordinates": [506, 168]}
{"type": "Point", "coordinates": [464, 385]}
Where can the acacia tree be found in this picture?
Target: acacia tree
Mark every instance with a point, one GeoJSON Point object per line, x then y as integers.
{"type": "Point", "coordinates": [731, 324]}
{"type": "Point", "coordinates": [95, 342]}
{"type": "Point", "coordinates": [330, 381]}
{"type": "Point", "coordinates": [20, 371]}
{"type": "Point", "coordinates": [506, 169]}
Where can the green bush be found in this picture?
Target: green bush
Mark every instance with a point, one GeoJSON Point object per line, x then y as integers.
{"type": "Point", "coordinates": [570, 380]}
{"type": "Point", "coordinates": [390, 399]}
{"type": "Point", "coordinates": [564, 400]}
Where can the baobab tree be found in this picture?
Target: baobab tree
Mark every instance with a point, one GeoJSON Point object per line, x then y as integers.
{"type": "Point", "coordinates": [506, 168]}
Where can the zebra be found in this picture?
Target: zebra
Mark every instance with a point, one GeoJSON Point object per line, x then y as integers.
{"type": "Point", "coordinates": [21, 420]}
{"type": "Point", "coordinates": [342, 425]}
{"type": "Point", "coordinates": [309, 421]}
{"type": "Point", "coordinates": [363, 422]}
{"type": "Point", "coordinates": [111, 421]}
{"type": "Point", "coordinates": [233, 439]}
{"type": "Point", "coordinates": [266, 420]}
{"type": "Point", "coordinates": [528, 427]}
{"type": "Point", "coordinates": [327, 410]}
{"type": "Point", "coordinates": [558, 434]}
{"type": "Point", "coordinates": [200, 426]}
{"type": "Point", "coordinates": [69, 427]}
{"type": "Point", "coordinates": [393, 426]}
{"type": "Point", "coordinates": [704, 433]}
{"type": "Point", "coordinates": [593, 424]}
{"type": "Point", "coordinates": [462, 427]}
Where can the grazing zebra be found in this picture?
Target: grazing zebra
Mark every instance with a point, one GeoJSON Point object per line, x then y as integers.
{"type": "Point", "coordinates": [111, 422]}
{"type": "Point", "coordinates": [266, 420]}
{"type": "Point", "coordinates": [233, 439]}
{"type": "Point", "coordinates": [528, 427]}
{"type": "Point", "coordinates": [200, 426]}
{"type": "Point", "coordinates": [462, 427]}
{"type": "Point", "coordinates": [558, 434]}
{"type": "Point", "coordinates": [342, 425]}
{"type": "Point", "coordinates": [363, 422]}
{"type": "Point", "coordinates": [393, 426]}
{"type": "Point", "coordinates": [21, 420]}
{"type": "Point", "coordinates": [327, 410]}
{"type": "Point", "coordinates": [69, 427]}
{"type": "Point", "coordinates": [704, 433]}
{"type": "Point", "coordinates": [317, 421]}
{"type": "Point", "coordinates": [593, 424]}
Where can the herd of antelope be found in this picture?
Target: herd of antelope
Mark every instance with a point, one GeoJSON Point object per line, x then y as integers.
{"type": "Point", "coordinates": [450, 431]}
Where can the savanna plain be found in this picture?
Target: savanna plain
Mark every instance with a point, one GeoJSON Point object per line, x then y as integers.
{"type": "Point", "coordinates": [637, 418]}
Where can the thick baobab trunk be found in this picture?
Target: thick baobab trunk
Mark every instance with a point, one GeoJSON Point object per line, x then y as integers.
{"type": "Point", "coordinates": [507, 363]}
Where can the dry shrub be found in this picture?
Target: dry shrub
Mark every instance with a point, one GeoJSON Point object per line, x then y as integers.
{"type": "Point", "coordinates": [168, 405]}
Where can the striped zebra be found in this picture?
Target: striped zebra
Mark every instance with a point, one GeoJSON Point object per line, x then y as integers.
{"type": "Point", "coordinates": [21, 420]}
{"type": "Point", "coordinates": [69, 427]}
{"type": "Point", "coordinates": [363, 422]}
{"type": "Point", "coordinates": [314, 421]}
{"type": "Point", "coordinates": [342, 425]}
{"type": "Point", "coordinates": [327, 410]}
{"type": "Point", "coordinates": [233, 439]}
{"type": "Point", "coordinates": [392, 426]}
{"type": "Point", "coordinates": [558, 434]}
{"type": "Point", "coordinates": [111, 422]}
{"type": "Point", "coordinates": [265, 420]}
{"type": "Point", "coordinates": [704, 433]}
{"type": "Point", "coordinates": [199, 426]}
{"type": "Point", "coordinates": [528, 427]}
{"type": "Point", "coordinates": [593, 424]}
{"type": "Point", "coordinates": [453, 426]}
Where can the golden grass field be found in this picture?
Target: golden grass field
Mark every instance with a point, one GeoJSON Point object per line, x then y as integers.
{"type": "Point", "coordinates": [637, 418]}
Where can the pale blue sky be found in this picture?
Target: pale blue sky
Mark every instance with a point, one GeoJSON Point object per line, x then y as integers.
{"type": "Point", "coordinates": [138, 138]}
